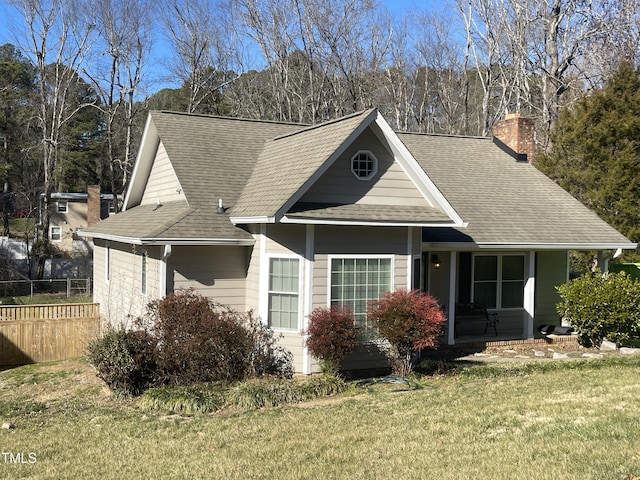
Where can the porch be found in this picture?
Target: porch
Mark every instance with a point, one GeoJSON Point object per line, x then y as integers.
{"type": "Point", "coordinates": [517, 286]}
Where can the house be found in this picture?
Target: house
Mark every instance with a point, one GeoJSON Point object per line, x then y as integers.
{"type": "Point", "coordinates": [73, 212]}
{"type": "Point", "coordinates": [283, 218]}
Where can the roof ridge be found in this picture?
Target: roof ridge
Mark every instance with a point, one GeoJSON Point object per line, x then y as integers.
{"type": "Point", "coordinates": [226, 117]}
{"type": "Point", "coordinates": [445, 135]}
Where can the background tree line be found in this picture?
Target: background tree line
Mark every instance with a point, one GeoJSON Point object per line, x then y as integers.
{"type": "Point", "coordinates": [79, 76]}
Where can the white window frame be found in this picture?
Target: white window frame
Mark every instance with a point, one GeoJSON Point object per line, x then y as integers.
{"type": "Point", "coordinates": [299, 293]}
{"type": "Point", "coordinates": [499, 280]}
{"type": "Point", "coordinates": [366, 336]}
{"type": "Point", "coordinates": [51, 228]}
{"type": "Point", "coordinates": [374, 165]}
{"type": "Point", "coordinates": [62, 206]}
{"type": "Point", "coordinates": [144, 272]}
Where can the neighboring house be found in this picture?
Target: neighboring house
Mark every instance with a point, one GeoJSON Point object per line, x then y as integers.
{"type": "Point", "coordinates": [284, 218]}
{"type": "Point", "coordinates": [73, 212]}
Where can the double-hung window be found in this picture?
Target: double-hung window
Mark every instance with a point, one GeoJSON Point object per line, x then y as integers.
{"type": "Point", "coordinates": [284, 293]}
{"type": "Point", "coordinates": [357, 281]}
{"type": "Point", "coordinates": [498, 280]}
{"type": "Point", "coordinates": [55, 234]}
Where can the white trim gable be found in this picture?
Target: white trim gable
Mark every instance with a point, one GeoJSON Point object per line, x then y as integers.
{"type": "Point", "coordinates": [325, 166]}
{"type": "Point", "coordinates": [415, 172]}
{"type": "Point", "coordinates": [143, 170]}
{"type": "Point", "coordinates": [401, 155]}
{"type": "Point", "coordinates": [142, 167]}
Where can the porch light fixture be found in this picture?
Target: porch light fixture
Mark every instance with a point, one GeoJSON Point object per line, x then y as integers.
{"type": "Point", "coordinates": [435, 260]}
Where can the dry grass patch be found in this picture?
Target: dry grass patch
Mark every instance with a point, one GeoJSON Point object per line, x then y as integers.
{"type": "Point", "coordinates": [577, 422]}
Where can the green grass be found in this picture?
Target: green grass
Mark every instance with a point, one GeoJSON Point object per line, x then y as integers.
{"type": "Point", "coordinates": [540, 420]}
{"type": "Point", "coordinates": [21, 227]}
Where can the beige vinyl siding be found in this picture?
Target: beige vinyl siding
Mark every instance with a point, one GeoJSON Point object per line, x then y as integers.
{"type": "Point", "coordinates": [217, 272]}
{"type": "Point", "coordinates": [285, 239]}
{"type": "Point", "coordinates": [333, 241]}
{"type": "Point", "coordinates": [390, 185]}
{"type": "Point", "coordinates": [163, 184]}
{"type": "Point", "coordinates": [121, 299]}
{"type": "Point", "coordinates": [551, 271]}
{"type": "Point", "coordinates": [294, 342]}
{"type": "Point", "coordinates": [349, 241]}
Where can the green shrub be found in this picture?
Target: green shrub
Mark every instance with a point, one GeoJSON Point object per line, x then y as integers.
{"type": "Point", "coordinates": [602, 306]}
{"type": "Point", "coordinates": [331, 336]}
{"type": "Point", "coordinates": [183, 399]}
{"type": "Point", "coordinates": [124, 359]}
{"type": "Point", "coordinates": [409, 321]}
{"type": "Point", "coordinates": [201, 342]}
{"type": "Point", "coordinates": [270, 392]}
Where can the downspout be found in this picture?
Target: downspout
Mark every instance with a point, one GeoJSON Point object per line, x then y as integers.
{"type": "Point", "coordinates": [166, 253]}
{"type": "Point", "coordinates": [604, 257]}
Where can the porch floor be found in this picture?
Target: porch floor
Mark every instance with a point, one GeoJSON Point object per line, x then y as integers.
{"type": "Point", "coordinates": [506, 340]}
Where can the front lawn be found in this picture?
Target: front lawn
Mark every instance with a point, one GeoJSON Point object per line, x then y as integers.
{"type": "Point", "coordinates": [579, 419]}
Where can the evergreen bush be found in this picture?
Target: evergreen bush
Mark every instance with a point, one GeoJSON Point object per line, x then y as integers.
{"type": "Point", "coordinates": [602, 306]}
{"type": "Point", "coordinates": [125, 360]}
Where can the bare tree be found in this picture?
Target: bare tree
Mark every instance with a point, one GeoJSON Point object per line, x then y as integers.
{"type": "Point", "coordinates": [202, 53]}
{"type": "Point", "coordinates": [57, 36]}
{"type": "Point", "coordinates": [123, 42]}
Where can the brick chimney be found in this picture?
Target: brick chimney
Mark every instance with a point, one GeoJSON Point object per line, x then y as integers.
{"type": "Point", "coordinates": [93, 204]}
{"type": "Point", "coordinates": [517, 133]}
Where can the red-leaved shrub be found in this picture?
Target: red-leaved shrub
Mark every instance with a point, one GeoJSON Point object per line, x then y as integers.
{"type": "Point", "coordinates": [331, 336]}
{"type": "Point", "coordinates": [409, 321]}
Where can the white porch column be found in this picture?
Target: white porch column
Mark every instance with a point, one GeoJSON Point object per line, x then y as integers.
{"type": "Point", "coordinates": [529, 296]}
{"type": "Point", "coordinates": [453, 280]}
{"type": "Point", "coordinates": [308, 294]}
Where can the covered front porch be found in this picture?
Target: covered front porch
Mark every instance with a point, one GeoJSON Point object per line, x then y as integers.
{"type": "Point", "coordinates": [515, 287]}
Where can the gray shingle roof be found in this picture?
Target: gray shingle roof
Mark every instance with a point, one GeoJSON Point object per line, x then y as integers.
{"type": "Point", "coordinates": [258, 167]}
{"type": "Point", "coordinates": [404, 214]}
{"type": "Point", "coordinates": [287, 162]}
{"type": "Point", "coordinates": [503, 200]}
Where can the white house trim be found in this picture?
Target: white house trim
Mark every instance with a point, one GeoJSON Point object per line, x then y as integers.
{"type": "Point", "coordinates": [363, 223]}
{"type": "Point", "coordinates": [529, 297]}
{"type": "Point", "coordinates": [415, 172]}
{"type": "Point", "coordinates": [308, 293]}
{"type": "Point", "coordinates": [325, 166]}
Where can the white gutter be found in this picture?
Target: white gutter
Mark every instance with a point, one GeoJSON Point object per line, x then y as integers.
{"type": "Point", "coordinates": [168, 241]}
{"type": "Point", "coordinates": [529, 246]}
{"type": "Point", "coordinates": [245, 220]}
{"type": "Point", "coordinates": [309, 221]}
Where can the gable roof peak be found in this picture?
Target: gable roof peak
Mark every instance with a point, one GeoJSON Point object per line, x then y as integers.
{"type": "Point", "coordinates": [309, 128]}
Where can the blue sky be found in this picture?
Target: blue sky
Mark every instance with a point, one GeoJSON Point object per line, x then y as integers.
{"type": "Point", "coordinates": [9, 19]}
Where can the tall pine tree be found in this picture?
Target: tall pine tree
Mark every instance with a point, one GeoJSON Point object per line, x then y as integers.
{"type": "Point", "coordinates": [596, 152]}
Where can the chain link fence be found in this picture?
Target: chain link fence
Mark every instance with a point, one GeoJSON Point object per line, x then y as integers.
{"type": "Point", "coordinates": [72, 287]}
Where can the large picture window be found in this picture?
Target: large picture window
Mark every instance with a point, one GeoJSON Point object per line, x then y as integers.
{"type": "Point", "coordinates": [284, 293]}
{"type": "Point", "coordinates": [498, 280]}
{"type": "Point", "coordinates": [357, 281]}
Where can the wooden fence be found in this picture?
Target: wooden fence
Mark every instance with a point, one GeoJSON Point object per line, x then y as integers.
{"type": "Point", "coordinates": [43, 333]}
